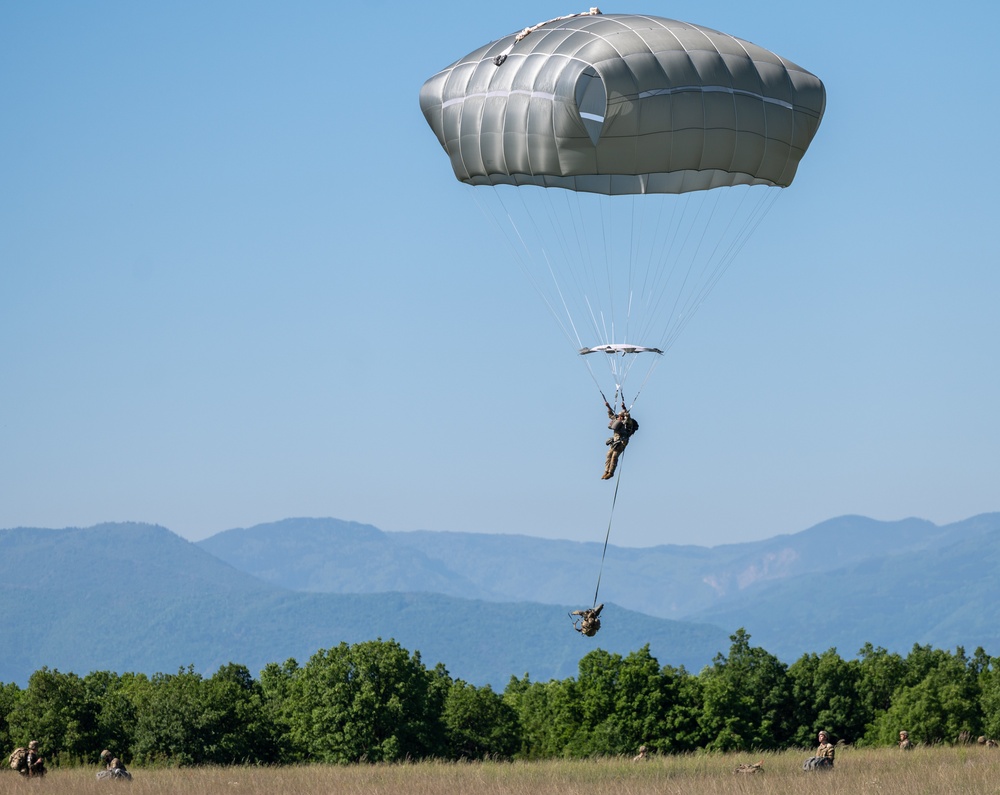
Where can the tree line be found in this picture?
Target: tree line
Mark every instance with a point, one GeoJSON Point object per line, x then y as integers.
{"type": "Point", "coordinates": [377, 702]}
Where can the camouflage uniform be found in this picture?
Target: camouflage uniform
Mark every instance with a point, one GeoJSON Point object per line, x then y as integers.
{"type": "Point", "coordinates": [824, 755]}
{"type": "Point", "coordinates": [34, 765]}
{"type": "Point", "coordinates": [114, 767]}
{"type": "Point", "coordinates": [904, 742]}
{"type": "Point", "coordinates": [590, 622]}
{"type": "Point", "coordinates": [826, 750]}
{"type": "Point", "coordinates": [747, 768]}
{"type": "Point", "coordinates": [623, 426]}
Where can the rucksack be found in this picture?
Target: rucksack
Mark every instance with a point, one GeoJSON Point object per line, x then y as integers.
{"type": "Point", "coordinates": [19, 759]}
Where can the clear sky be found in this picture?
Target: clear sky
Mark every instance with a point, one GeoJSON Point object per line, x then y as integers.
{"type": "Point", "coordinates": [239, 282]}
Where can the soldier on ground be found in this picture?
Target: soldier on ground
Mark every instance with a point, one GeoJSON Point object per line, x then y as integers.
{"type": "Point", "coordinates": [904, 741]}
{"type": "Point", "coordinates": [114, 768]}
{"type": "Point", "coordinates": [823, 759]}
{"type": "Point", "coordinates": [747, 768]}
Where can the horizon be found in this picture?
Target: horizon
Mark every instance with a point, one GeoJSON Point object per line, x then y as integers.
{"type": "Point", "coordinates": [256, 525]}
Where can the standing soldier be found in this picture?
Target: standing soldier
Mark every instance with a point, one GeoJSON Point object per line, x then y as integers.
{"type": "Point", "coordinates": [904, 741]}
{"type": "Point", "coordinates": [34, 765]}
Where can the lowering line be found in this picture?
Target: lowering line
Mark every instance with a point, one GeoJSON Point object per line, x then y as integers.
{"type": "Point", "coordinates": [608, 534]}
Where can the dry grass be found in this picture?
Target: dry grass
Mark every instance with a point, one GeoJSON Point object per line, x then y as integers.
{"type": "Point", "coordinates": [942, 771]}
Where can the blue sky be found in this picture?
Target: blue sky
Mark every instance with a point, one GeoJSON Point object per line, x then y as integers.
{"type": "Point", "coordinates": [238, 282]}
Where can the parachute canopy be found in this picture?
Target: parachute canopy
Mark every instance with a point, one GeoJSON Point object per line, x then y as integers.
{"type": "Point", "coordinates": [623, 104]}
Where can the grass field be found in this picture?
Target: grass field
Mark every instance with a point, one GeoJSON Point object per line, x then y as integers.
{"type": "Point", "coordinates": [965, 770]}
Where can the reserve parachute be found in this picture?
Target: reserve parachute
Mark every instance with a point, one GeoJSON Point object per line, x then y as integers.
{"type": "Point", "coordinates": [627, 159]}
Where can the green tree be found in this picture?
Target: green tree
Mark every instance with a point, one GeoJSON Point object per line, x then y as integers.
{"type": "Point", "coordinates": [944, 703]}
{"type": "Point", "coordinates": [549, 714]}
{"type": "Point", "coordinates": [683, 732]}
{"type": "Point", "coordinates": [989, 698]}
{"type": "Point", "coordinates": [369, 702]}
{"type": "Point", "coordinates": [923, 660]}
{"type": "Point", "coordinates": [275, 685]}
{"type": "Point", "coordinates": [642, 703]}
{"type": "Point", "coordinates": [596, 684]}
{"type": "Point", "coordinates": [747, 699]}
{"type": "Point", "coordinates": [825, 693]}
{"type": "Point", "coordinates": [116, 715]}
{"type": "Point", "coordinates": [236, 726]}
{"type": "Point", "coordinates": [431, 734]}
{"type": "Point", "coordinates": [616, 705]}
{"type": "Point", "coordinates": [9, 694]}
{"type": "Point", "coordinates": [55, 710]}
{"type": "Point", "coordinates": [881, 674]}
{"type": "Point", "coordinates": [184, 719]}
{"type": "Point", "coordinates": [168, 724]}
{"type": "Point", "coordinates": [479, 724]}
{"type": "Point", "coordinates": [628, 702]}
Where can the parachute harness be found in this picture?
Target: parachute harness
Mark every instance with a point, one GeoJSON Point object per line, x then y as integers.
{"type": "Point", "coordinates": [499, 59]}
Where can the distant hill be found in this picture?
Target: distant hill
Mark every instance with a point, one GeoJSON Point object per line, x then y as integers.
{"type": "Point", "coordinates": [940, 591]}
{"type": "Point", "coordinates": [134, 597]}
{"type": "Point", "coordinates": [841, 583]}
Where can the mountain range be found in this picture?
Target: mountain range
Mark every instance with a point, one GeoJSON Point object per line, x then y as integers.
{"type": "Point", "coordinates": [842, 583]}
{"type": "Point", "coordinates": [136, 597]}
